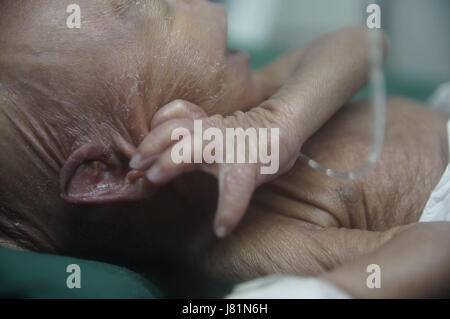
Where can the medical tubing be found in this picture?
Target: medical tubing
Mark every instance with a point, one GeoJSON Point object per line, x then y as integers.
{"type": "Point", "coordinates": [378, 100]}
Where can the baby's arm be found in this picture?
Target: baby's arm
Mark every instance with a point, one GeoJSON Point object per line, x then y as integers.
{"type": "Point", "coordinates": [307, 86]}
{"type": "Point", "coordinates": [318, 79]}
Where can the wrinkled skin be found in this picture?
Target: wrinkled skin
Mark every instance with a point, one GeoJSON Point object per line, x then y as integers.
{"type": "Point", "coordinates": [335, 63]}
{"type": "Point", "coordinates": [313, 224]}
{"type": "Point", "coordinates": [71, 119]}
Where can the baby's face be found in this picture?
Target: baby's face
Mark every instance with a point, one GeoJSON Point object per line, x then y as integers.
{"type": "Point", "coordinates": [194, 53]}
{"type": "Point", "coordinates": [198, 41]}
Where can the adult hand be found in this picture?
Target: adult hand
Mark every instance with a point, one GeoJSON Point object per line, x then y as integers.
{"type": "Point", "coordinates": [413, 264]}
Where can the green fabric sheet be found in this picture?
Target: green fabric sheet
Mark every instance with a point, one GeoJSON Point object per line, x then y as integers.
{"type": "Point", "coordinates": [32, 275]}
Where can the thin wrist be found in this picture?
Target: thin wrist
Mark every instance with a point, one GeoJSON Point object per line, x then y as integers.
{"type": "Point", "coordinates": [288, 119]}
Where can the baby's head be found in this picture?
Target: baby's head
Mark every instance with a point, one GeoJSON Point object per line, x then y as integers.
{"type": "Point", "coordinates": [172, 48]}
{"type": "Point", "coordinates": [74, 102]}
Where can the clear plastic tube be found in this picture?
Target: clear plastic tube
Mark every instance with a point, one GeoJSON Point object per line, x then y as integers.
{"type": "Point", "coordinates": [378, 101]}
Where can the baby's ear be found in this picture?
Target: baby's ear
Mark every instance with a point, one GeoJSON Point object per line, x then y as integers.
{"type": "Point", "coordinates": [94, 174]}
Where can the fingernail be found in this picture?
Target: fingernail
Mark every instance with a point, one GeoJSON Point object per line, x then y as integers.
{"type": "Point", "coordinates": [136, 161]}
{"type": "Point", "coordinates": [154, 174]}
{"type": "Point", "coordinates": [221, 231]}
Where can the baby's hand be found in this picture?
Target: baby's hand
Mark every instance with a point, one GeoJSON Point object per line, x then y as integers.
{"type": "Point", "coordinates": [237, 182]}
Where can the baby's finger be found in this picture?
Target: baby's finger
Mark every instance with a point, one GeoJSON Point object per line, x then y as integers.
{"type": "Point", "coordinates": [236, 186]}
{"type": "Point", "coordinates": [157, 141]}
{"type": "Point", "coordinates": [166, 168]}
{"type": "Point", "coordinates": [177, 109]}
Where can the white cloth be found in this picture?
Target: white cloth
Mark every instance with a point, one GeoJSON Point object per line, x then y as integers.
{"type": "Point", "coordinates": [285, 287]}
{"type": "Point", "coordinates": [441, 99]}
{"type": "Point", "coordinates": [438, 206]}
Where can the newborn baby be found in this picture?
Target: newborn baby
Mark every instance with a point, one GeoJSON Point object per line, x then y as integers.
{"type": "Point", "coordinates": [76, 105]}
{"type": "Point", "coordinates": [159, 50]}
